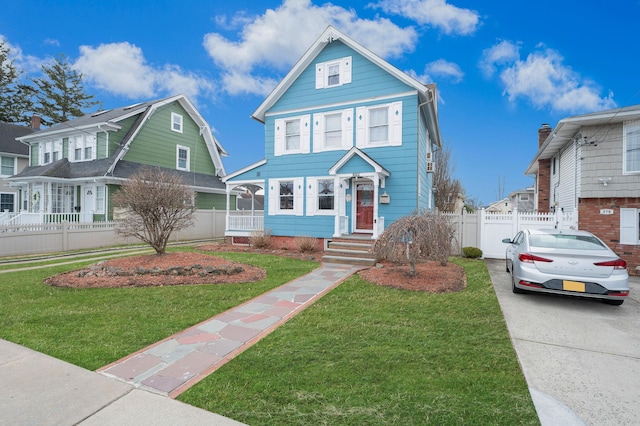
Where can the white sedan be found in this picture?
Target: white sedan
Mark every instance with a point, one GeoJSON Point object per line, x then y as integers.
{"type": "Point", "coordinates": [576, 263]}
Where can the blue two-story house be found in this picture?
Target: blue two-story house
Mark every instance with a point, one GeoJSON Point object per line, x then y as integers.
{"type": "Point", "coordinates": [349, 142]}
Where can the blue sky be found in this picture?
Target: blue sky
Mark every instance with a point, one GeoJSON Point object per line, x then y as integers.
{"type": "Point", "coordinates": [502, 67]}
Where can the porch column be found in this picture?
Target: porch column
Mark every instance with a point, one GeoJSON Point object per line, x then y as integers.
{"type": "Point", "coordinates": [376, 187]}
{"type": "Point", "coordinates": [226, 217]}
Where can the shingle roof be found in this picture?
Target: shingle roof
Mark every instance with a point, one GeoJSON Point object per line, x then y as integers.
{"type": "Point", "coordinates": [8, 135]}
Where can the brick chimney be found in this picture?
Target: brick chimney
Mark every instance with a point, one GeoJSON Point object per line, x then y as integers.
{"type": "Point", "coordinates": [35, 122]}
{"type": "Point", "coordinates": [543, 179]}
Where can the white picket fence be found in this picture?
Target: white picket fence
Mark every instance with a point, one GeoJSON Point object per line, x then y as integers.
{"type": "Point", "coordinates": [486, 230]}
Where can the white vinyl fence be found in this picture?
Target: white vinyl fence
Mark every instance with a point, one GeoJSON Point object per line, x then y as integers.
{"type": "Point", "coordinates": [16, 240]}
{"type": "Point", "coordinates": [486, 230]}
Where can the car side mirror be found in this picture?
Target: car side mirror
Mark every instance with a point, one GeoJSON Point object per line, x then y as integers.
{"type": "Point", "coordinates": [507, 240]}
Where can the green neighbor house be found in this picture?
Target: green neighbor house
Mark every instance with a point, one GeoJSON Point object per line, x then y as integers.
{"type": "Point", "coordinates": [77, 166]}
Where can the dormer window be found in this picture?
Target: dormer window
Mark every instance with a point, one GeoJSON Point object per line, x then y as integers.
{"type": "Point", "coordinates": [176, 122]}
{"type": "Point", "coordinates": [333, 73]}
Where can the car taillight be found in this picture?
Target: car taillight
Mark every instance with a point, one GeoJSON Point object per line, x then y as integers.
{"type": "Point", "coordinates": [530, 258]}
{"type": "Point", "coordinates": [617, 264]}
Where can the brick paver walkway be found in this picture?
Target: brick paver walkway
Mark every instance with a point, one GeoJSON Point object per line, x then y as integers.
{"type": "Point", "coordinates": [175, 364]}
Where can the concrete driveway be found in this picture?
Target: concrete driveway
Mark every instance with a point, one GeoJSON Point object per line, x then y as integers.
{"type": "Point", "coordinates": [581, 358]}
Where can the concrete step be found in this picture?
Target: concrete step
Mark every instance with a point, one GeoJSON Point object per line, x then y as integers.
{"type": "Point", "coordinates": [348, 253]}
{"type": "Point", "coordinates": [349, 260]}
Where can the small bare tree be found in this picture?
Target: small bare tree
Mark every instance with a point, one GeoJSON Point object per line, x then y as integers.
{"type": "Point", "coordinates": [419, 236]}
{"type": "Point", "coordinates": [447, 188]}
{"type": "Point", "coordinates": [156, 203]}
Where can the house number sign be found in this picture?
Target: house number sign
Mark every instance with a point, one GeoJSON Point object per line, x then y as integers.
{"type": "Point", "coordinates": [606, 211]}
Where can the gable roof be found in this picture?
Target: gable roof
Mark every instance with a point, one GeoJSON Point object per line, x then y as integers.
{"type": "Point", "coordinates": [356, 152]}
{"type": "Point", "coordinates": [427, 93]}
{"type": "Point", "coordinates": [567, 128]}
{"type": "Point", "coordinates": [9, 144]}
{"type": "Point", "coordinates": [109, 119]}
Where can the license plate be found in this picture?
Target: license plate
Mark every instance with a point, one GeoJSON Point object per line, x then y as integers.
{"type": "Point", "coordinates": [573, 286]}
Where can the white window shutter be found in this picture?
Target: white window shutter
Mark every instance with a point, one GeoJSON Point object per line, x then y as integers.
{"type": "Point", "coordinates": [278, 137]}
{"type": "Point", "coordinates": [345, 70]}
{"type": "Point", "coordinates": [395, 124]}
{"type": "Point", "coordinates": [340, 190]}
{"type": "Point", "coordinates": [361, 127]}
{"type": "Point", "coordinates": [320, 76]}
{"type": "Point", "coordinates": [629, 219]}
{"type": "Point", "coordinates": [312, 186]}
{"type": "Point", "coordinates": [318, 132]}
{"type": "Point", "coordinates": [347, 128]}
{"type": "Point", "coordinates": [298, 196]}
{"type": "Point", "coordinates": [274, 187]}
{"type": "Point", "coordinates": [305, 134]}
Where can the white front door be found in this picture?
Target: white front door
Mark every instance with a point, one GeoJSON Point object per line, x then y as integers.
{"type": "Point", "coordinates": [88, 203]}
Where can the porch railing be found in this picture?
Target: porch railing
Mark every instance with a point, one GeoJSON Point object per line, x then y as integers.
{"type": "Point", "coordinates": [25, 218]}
{"type": "Point", "coordinates": [243, 222]}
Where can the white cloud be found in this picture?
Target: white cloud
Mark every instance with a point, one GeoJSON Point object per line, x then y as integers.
{"type": "Point", "coordinates": [121, 69]}
{"type": "Point", "coordinates": [545, 81]}
{"type": "Point", "coordinates": [500, 54]}
{"type": "Point", "coordinates": [276, 39]}
{"type": "Point", "coordinates": [25, 63]}
{"type": "Point", "coordinates": [444, 69]}
{"type": "Point", "coordinates": [436, 13]}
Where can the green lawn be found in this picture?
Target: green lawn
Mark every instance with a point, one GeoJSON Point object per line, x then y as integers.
{"type": "Point", "coordinates": [94, 327]}
{"type": "Point", "coordinates": [361, 355]}
{"type": "Point", "coordinates": [370, 355]}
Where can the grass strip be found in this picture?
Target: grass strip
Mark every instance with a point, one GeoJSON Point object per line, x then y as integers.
{"type": "Point", "coordinates": [371, 355]}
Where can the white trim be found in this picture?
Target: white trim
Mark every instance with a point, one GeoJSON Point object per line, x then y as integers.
{"type": "Point", "coordinates": [313, 197]}
{"type": "Point", "coordinates": [177, 122]}
{"type": "Point", "coordinates": [346, 130]}
{"type": "Point", "coordinates": [273, 197]}
{"type": "Point", "coordinates": [394, 125]}
{"type": "Point", "coordinates": [280, 136]}
{"type": "Point", "coordinates": [188, 160]}
{"type": "Point", "coordinates": [626, 128]}
{"type": "Point", "coordinates": [341, 105]}
{"type": "Point", "coordinates": [344, 72]}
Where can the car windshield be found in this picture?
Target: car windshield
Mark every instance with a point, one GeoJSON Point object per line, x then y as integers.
{"type": "Point", "coordinates": [561, 241]}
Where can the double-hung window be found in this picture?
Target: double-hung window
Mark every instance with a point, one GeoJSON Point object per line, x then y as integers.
{"type": "Point", "coordinates": [285, 189]}
{"type": "Point", "coordinates": [325, 194]}
{"type": "Point", "coordinates": [176, 122]}
{"type": "Point", "coordinates": [379, 125]}
{"type": "Point", "coordinates": [7, 166]}
{"type": "Point", "coordinates": [182, 158]}
{"type": "Point", "coordinates": [333, 130]}
{"type": "Point", "coordinates": [51, 151]}
{"type": "Point", "coordinates": [321, 196]}
{"type": "Point", "coordinates": [7, 202]}
{"type": "Point", "coordinates": [333, 73]}
{"type": "Point", "coordinates": [631, 151]}
{"type": "Point", "coordinates": [292, 135]}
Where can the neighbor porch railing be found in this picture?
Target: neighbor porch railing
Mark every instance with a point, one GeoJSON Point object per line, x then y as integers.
{"type": "Point", "coordinates": [25, 218]}
{"type": "Point", "coordinates": [239, 221]}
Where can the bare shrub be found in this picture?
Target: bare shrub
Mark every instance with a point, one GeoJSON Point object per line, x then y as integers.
{"type": "Point", "coordinates": [419, 236]}
{"type": "Point", "coordinates": [260, 239]}
{"type": "Point", "coordinates": [306, 244]}
{"type": "Point", "coordinates": [155, 203]}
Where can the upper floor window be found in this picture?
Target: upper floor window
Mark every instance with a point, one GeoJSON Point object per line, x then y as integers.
{"type": "Point", "coordinates": [82, 148]}
{"type": "Point", "coordinates": [292, 135]}
{"type": "Point", "coordinates": [333, 130]}
{"type": "Point", "coordinates": [50, 151]}
{"type": "Point", "coordinates": [176, 122]}
{"type": "Point", "coordinates": [631, 151]}
{"type": "Point", "coordinates": [379, 125]}
{"type": "Point", "coordinates": [182, 158]}
{"type": "Point", "coordinates": [7, 166]}
{"type": "Point", "coordinates": [333, 73]}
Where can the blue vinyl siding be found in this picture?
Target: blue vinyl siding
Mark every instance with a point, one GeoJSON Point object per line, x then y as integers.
{"type": "Point", "coordinates": [370, 86]}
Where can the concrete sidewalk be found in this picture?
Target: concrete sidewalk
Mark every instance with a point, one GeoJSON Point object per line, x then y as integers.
{"type": "Point", "coordinates": [41, 390]}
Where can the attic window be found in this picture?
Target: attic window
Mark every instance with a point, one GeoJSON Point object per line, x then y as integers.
{"type": "Point", "coordinates": [176, 122]}
{"type": "Point", "coordinates": [333, 73]}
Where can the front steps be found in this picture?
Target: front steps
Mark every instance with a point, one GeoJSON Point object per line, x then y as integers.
{"type": "Point", "coordinates": [350, 250]}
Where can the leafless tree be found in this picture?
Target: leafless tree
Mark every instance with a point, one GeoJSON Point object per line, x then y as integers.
{"type": "Point", "coordinates": [447, 188]}
{"type": "Point", "coordinates": [419, 236]}
{"type": "Point", "coordinates": [155, 203]}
